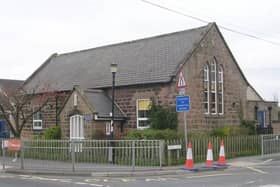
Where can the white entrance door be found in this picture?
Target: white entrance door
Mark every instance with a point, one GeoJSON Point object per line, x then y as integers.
{"type": "Point", "coordinates": [77, 132]}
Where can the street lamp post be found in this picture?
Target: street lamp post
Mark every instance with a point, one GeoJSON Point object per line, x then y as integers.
{"type": "Point", "coordinates": [114, 68]}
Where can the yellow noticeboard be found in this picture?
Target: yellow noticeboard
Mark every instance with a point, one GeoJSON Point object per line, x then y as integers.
{"type": "Point", "coordinates": [144, 104]}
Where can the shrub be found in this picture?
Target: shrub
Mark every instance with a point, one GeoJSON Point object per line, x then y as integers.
{"type": "Point", "coordinates": [224, 131]}
{"type": "Point", "coordinates": [152, 134]}
{"type": "Point", "coordinates": [53, 133]}
{"type": "Point", "coordinates": [250, 125]}
{"type": "Point", "coordinates": [162, 118]}
{"type": "Point", "coordinates": [230, 131]}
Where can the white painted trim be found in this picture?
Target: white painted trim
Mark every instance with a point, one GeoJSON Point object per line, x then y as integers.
{"type": "Point", "coordinates": [141, 119]}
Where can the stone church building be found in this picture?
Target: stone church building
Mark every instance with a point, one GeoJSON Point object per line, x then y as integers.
{"type": "Point", "coordinates": [148, 71]}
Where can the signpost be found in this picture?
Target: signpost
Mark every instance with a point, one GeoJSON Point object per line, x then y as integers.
{"type": "Point", "coordinates": [183, 102]}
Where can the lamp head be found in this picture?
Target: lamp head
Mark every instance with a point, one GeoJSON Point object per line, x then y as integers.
{"type": "Point", "coordinates": [114, 67]}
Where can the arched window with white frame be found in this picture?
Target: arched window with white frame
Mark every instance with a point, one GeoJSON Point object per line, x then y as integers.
{"type": "Point", "coordinates": [206, 88]}
{"type": "Point", "coordinates": [213, 86]}
{"type": "Point", "coordinates": [220, 90]}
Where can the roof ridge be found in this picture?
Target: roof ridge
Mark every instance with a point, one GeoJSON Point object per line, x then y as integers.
{"type": "Point", "coordinates": [135, 40]}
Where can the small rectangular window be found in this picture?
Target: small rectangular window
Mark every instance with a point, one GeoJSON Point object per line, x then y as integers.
{"type": "Point", "coordinates": [75, 102]}
{"type": "Point", "coordinates": [143, 106]}
{"type": "Point", "coordinates": [37, 119]}
{"type": "Point", "coordinates": [108, 128]}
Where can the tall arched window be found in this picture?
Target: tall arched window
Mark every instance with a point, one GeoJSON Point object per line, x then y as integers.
{"type": "Point", "coordinates": [206, 88]}
{"type": "Point", "coordinates": [213, 87]}
{"type": "Point", "coordinates": [220, 90]}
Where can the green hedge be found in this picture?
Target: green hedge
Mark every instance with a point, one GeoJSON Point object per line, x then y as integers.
{"type": "Point", "coordinates": [230, 131]}
{"type": "Point", "coordinates": [151, 134]}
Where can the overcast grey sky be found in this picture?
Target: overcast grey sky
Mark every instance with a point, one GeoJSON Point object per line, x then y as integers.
{"type": "Point", "coordinates": [32, 30]}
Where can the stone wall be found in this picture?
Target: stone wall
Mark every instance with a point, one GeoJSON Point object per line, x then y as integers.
{"type": "Point", "coordinates": [92, 128]}
{"type": "Point", "coordinates": [235, 88]}
{"type": "Point", "coordinates": [126, 98]}
{"type": "Point", "coordinates": [49, 114]}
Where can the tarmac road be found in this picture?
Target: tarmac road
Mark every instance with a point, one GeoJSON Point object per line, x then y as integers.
{"type": "Point", "coordinates": [241, 173]}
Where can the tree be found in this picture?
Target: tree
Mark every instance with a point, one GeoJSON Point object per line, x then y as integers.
{"type": "Point", "coordinates": [15, 107]}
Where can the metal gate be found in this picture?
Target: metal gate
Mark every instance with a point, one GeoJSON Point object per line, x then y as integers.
{"type": "Point", "coordinates": [270, 144]}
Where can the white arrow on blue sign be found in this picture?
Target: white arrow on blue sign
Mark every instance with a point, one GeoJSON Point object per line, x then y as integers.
{"type": "Point", "coordinates": [182, 103]}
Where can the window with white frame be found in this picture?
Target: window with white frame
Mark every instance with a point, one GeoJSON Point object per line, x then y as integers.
{"type": "Point", "coordinates": [213, 74]}
{"type": "Point", "coordinates": [142, 107]}
{"type": "Point", "coordinates": [220, 90]}
{"type": "Point", "coordinates": [37, 119]}
{"type": "Point", "coordinates": [206, 88]}
{"type": "Point", "coordinates": [77, 127]}
{"type": "Point", "coordinates": [75, 99]}
{"type": "Point", "coordinates": [213, 88]}
{"type": "Point", "coordinates": [108, 128]}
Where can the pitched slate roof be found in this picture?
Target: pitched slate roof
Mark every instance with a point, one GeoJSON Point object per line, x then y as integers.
{"type": "Point", "coordinates": [102, 104]}
{"type": "Point", "coordinates": [149, 60]}
{"type": "Point", "coordinates": [9, 85]}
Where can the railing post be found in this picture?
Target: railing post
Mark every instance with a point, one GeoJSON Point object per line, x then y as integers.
{"type": "Point", "coordinates": [4, 154]}
{"type": "Point", "coordinates": [133, 155]}
{"type": "Point", "coordinates": [262, 141]}
{"type": "Point", "coordinates": [161, 152]}
{"type": "Point", "coordinates": [72, 154]}
{"type": "Point", "coordinates": [22, 155]}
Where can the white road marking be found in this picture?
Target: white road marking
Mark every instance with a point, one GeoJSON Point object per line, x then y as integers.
{"type": "Point", "coordinates": [128, 180]}
{"type": "Point", "coordinates": [65, 180]}
{"type": "Point", "coordinates": [6, 176]}
{"type": "Point", "coordinates": [81, 183]}
{"type": "Point", "coordinates": [213, 175]}
{"type": "Point", "coordinates": [250, 182]}
{"type": "Point", "coordinates": [269, 160]}
{"type": "Point", "coordinates": [98, 185]}
{"type": "Point", "coordinates": [24, 175]}
{"type": "Point", "coordinates": [256, 170]}
{"type": "Point", "coordinates": [96, 180]}
{"type": "Point", "coordinates": [93, 180]}
{"type": "Point", "coordinates": [155, 179]}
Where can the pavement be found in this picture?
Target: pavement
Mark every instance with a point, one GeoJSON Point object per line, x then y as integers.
{"type": "Point", "coordinates": [116, 171]}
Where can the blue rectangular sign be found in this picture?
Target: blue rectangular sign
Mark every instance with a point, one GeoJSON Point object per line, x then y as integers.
{"type": "Point", "coordinates": [182, 103]}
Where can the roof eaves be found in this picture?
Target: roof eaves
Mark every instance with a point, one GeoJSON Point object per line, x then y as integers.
{"type": "Point", "coordinates": [135, 84]}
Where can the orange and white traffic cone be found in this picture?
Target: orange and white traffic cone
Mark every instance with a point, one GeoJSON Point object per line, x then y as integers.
{"type": "Point", "coordinates": [222, 157]}
{"type": "Point", "coordinates": [189, 160]}
{"type": "Point", "coordinates": [209, 159]}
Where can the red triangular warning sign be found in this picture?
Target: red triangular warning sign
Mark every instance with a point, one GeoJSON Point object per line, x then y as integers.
{"type": "Point", "coordinates": [181, 81]}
